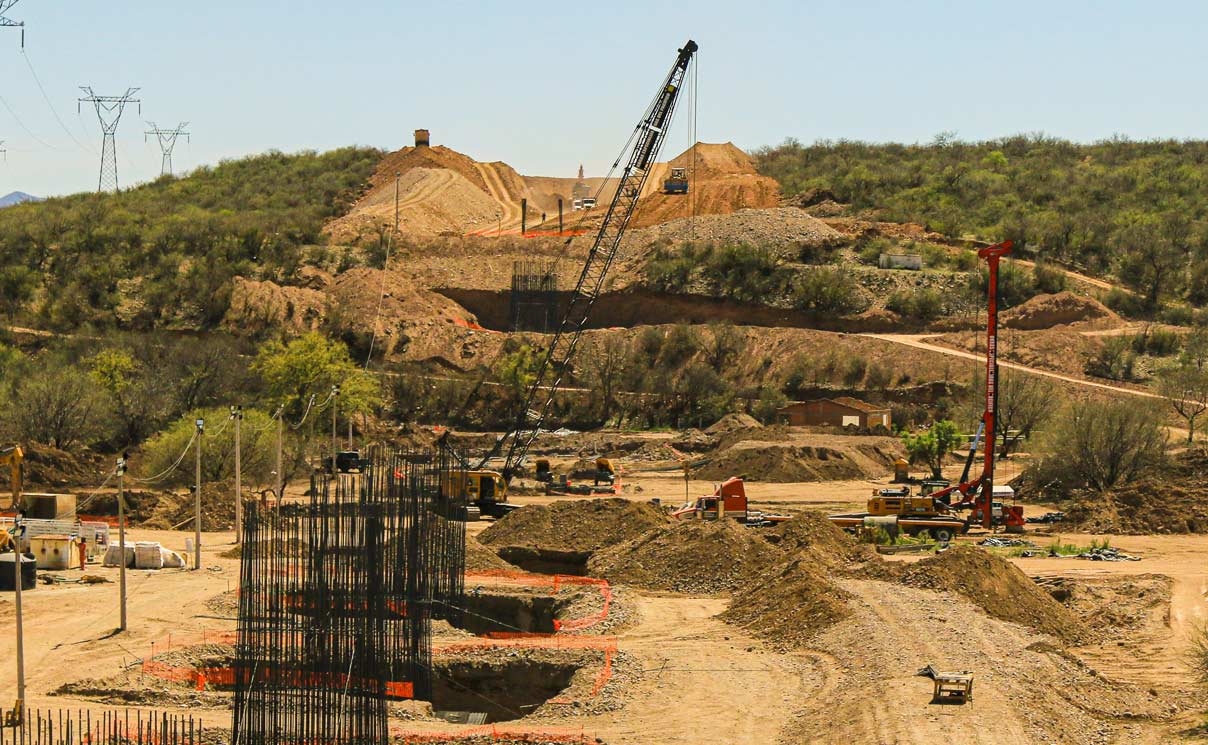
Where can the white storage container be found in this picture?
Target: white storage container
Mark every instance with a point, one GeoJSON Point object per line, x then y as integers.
{"type": "Point", "coordinates": [113, 556]}
{"type": "Point", "coordinates": [148, 555]}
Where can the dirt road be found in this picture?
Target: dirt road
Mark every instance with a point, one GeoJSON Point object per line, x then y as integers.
{"type": "Point", "coordinates": [704, 681]}
{"type": "Point", "coordinates": [918, 342]}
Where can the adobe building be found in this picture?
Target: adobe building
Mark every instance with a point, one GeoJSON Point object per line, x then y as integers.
{"type": "Point", "coordinates": [837, 412]}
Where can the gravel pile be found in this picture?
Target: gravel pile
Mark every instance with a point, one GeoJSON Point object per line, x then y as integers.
{"type": "Point", "coordinates": [779, 226]}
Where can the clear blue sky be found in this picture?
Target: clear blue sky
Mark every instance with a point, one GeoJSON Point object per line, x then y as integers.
{"type": "Point", "coordinates": [544, 85]}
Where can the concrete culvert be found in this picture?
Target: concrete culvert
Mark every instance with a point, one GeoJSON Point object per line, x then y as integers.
{"type": "Point", "coordinates": [503, 689]}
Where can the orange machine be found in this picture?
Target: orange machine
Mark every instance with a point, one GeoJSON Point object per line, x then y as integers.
{"type": "Point", "coordinates": [729, 499]}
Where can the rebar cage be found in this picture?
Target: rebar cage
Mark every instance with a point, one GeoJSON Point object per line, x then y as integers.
{"type": "Point", "coordinates": [337, 598]}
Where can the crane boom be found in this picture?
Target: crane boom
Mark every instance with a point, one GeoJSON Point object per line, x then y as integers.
{"type": "Point", "coordinates": [649, 136]}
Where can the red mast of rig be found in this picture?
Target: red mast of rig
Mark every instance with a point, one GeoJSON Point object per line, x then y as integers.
{"type": "Point", "coordinates": [979, 493]}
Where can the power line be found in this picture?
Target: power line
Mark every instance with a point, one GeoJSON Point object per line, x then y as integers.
{"type": "Point", "coordinates": [49, 104]}
{"type": "Point", "coordinates": [109, 112]}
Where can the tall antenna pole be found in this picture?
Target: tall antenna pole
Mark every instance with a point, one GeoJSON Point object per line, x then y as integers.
{"type": "Point", "coordinates": [167, 141]}
{"type": "Point", "coordinates": [109, 112]}
{"type": "Point", "coordinates": [6, 22]}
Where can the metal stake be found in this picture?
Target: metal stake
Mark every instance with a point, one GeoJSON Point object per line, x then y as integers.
{"type": "Point", "coordinates": [335, 398]}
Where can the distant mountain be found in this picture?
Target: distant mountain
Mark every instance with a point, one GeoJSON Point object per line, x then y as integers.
{"type": "Point", "coordinates": [17, 197]}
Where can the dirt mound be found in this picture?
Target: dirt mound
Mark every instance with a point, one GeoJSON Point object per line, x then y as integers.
{"type": "Point", "coordinates": [1113, 604]}
{"type": "Point", "coordinates": [812, 535]}
{"type": "Point", "coordinates": [359, 296]}
{"type": "Point", "coordinates": [50, 467]}
{"type": "Point", "coordinates": [783, 227]}
{"type": "Point", "coordinates": [780, 463]}
{"type": "Point", "coordinates": [258, 306]}
{"type": "Point", "coordinates": [581, 525]}
{"type": "Point", "coordinates": [731, 423]}
{"type": "Point", "coordinates": [1046, 311]}
{"type": "Point", "coordinates": [723, 179]}
{"type": "Point", "coordinates": [1147, 506]}
{"type": "Point", "coordinates": [432, 201]}
{"type": "Point", "coordinates": [479, 557]}
{"type": "Point", "coordinates": [789, 605]}
{"type": "Point", "coordinates": [175, 509]}
{"type": "Point", "coordinates": [996, 586]}
{"type": "Point", "coordinates": [691, 556]}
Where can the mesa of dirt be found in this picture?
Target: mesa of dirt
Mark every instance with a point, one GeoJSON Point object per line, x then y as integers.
{"type": "Point", "coordinates": [810, 534]}
{"type": "Point", "coordinates": [1114, 604]}
{"type": "Point", "coordinates": [996, 586]}
{"type": "Point", "coordinates": [1060, 309]}
{"type": "Point", "coordinates": [722, 179]}
{"type": "Point", "coordinates": [579, 525]}
{"type": "Point", "coordinates": [787, 454]}
{"type": "Point", "coordinates": [690, 556]}
{"type": "Point", "coordinates": [789, 604]}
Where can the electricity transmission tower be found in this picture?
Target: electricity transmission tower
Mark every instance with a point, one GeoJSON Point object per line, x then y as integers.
{"type": "Point", "coordinates": [167, 141]}
{"type": "Point", "coordinates": [6, 22]}
{"type": "Point", "coordinates": [109, 112]}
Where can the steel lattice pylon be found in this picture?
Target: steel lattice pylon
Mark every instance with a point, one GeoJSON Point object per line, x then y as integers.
{"type": "Point", "coordinates": [6, 22]}
{"type": "Point", "coordinates": [109, 112]}
{"type": "Point", "coordinates": [167, 142]}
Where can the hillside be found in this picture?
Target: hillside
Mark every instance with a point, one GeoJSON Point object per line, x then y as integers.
{"type": "Point", "coordinates": [1116, 208]}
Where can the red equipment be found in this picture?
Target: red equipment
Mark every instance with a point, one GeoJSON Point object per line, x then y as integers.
{"type": "Point", "coordinates": [979, 493]}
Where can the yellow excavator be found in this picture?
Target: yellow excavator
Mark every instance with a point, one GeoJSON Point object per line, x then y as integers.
{"type": "Point", "coordinates": [14, 458]}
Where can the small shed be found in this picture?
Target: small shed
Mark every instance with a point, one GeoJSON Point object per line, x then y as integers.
{"type": "Point", "coordinates": [837, 412]}
{"type": "Point", "coordinates": [901, 261]}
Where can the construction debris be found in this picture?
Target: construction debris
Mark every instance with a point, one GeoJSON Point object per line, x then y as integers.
{"type": "Point", "coordinates": [1107, 553]}
{"type": "Point", "coordinates": [998, 542]}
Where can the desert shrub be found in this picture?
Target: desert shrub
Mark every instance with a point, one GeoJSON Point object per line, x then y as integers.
{"type": "Point", "coordinates": [257, 446]}
{"type": "Point", "coordinates": [1123, 302]}
{"type": "Point", "coordinates": [1115, 360]}
{"type": "Point", "coordinates": [857, 368]}
{"type": "Point", "coordinates": [827, 292]}
{"type": "Point", "coordinates": [1100, 443]}
{"type": "Point", "coordinates": [1158, 342]}
{"type": "Point", "coordinates": [923, 304]}
{"type": "Point", "coordinates": [879, 376]}
{"type": "Point", "coordinates": [1048, 279]}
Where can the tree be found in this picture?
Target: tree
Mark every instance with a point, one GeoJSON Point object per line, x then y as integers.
{"type": "Point", "coordinates": [1026, 403]}
{"type": "Point", "coordinates": [311, 365]}
{"type": "Point", "coordinates": [1185, 387]}
{"type": "Point", "coordinates": [516, 370]}
{"type": "Point", "coordinates": [1195, 348]}
{"type": "Point", "coordinates": [61, 407]}
{"type": "Point", "coordinates": [932, 446]}
{"type": "Point", "coordinates": [1154, 249]}
{"type": "Point", "coordinates": [1099, 443]}
{"type": "Point", "coordinates": [603, 370]}
{"type": "Point", "coordinates": [256, 446]}
{"type": "Point", "coordinates": [725, 342]}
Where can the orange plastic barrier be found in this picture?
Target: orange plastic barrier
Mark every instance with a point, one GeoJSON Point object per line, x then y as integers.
{"type": "Point", "coordinates": [496, 733]}
{"type": "Point", "coordinates": [556, 582]}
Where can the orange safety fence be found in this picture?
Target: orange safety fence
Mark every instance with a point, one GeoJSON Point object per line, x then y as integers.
{"type": "Point", "coordinates": [555, 582]}
{"type": "Point", "coordinates": [528, 233]}
{"type": "Point", "coordinates": [496, 733]}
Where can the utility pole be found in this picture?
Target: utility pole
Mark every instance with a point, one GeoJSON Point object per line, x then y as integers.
{"type": "Point", "coordinates": [280, 485]}
{"type": "Point", "coordinates": [19, 575]}
{"type": "Point", "coordinates": [201, 430]}
{"type": "Point", "coordinates": [109, 112]}
{"type": "Point", "coordinates": [335, 399]}
{"type": "Point", "coordinates": [237, 415]}
{"type": "Point", "coordinates": [397, 175]}
{"type": "Point", "coordinates": [6, 22]}
{"type": "Point", "coordinates": [167, 141]}
{"type": "Point", "coordinates": [121, 537]}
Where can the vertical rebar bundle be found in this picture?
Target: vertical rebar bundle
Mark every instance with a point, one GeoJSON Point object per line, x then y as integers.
{"type": "Point", "coordinates": [534, 297]}
{"type": "Point", "coordinates": [336, 600]}
{"type": "Point", "coordinates": [80, 727]}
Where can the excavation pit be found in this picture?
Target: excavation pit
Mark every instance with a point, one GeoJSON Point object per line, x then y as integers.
{"type": "Point", "coordinates": [546, 561]}
{"type": "Point", "coordinates": [488, 612]}
{"type": "Point", "coordinates": [502, 689]}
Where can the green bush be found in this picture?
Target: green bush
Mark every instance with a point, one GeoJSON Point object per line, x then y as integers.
{"type": "Point", "coordinates": [1048, 279]}
{"type": "Point", "coordinates": [257, 447]}
{"type": "Point", "coordinates": [923, 304]}
{"type": "Point", "coordinates": [1158, 342]}
{"type": "Point", "coordinates": [830, 292]}
{"type": "Point", "coordinates": [1115, 360]}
